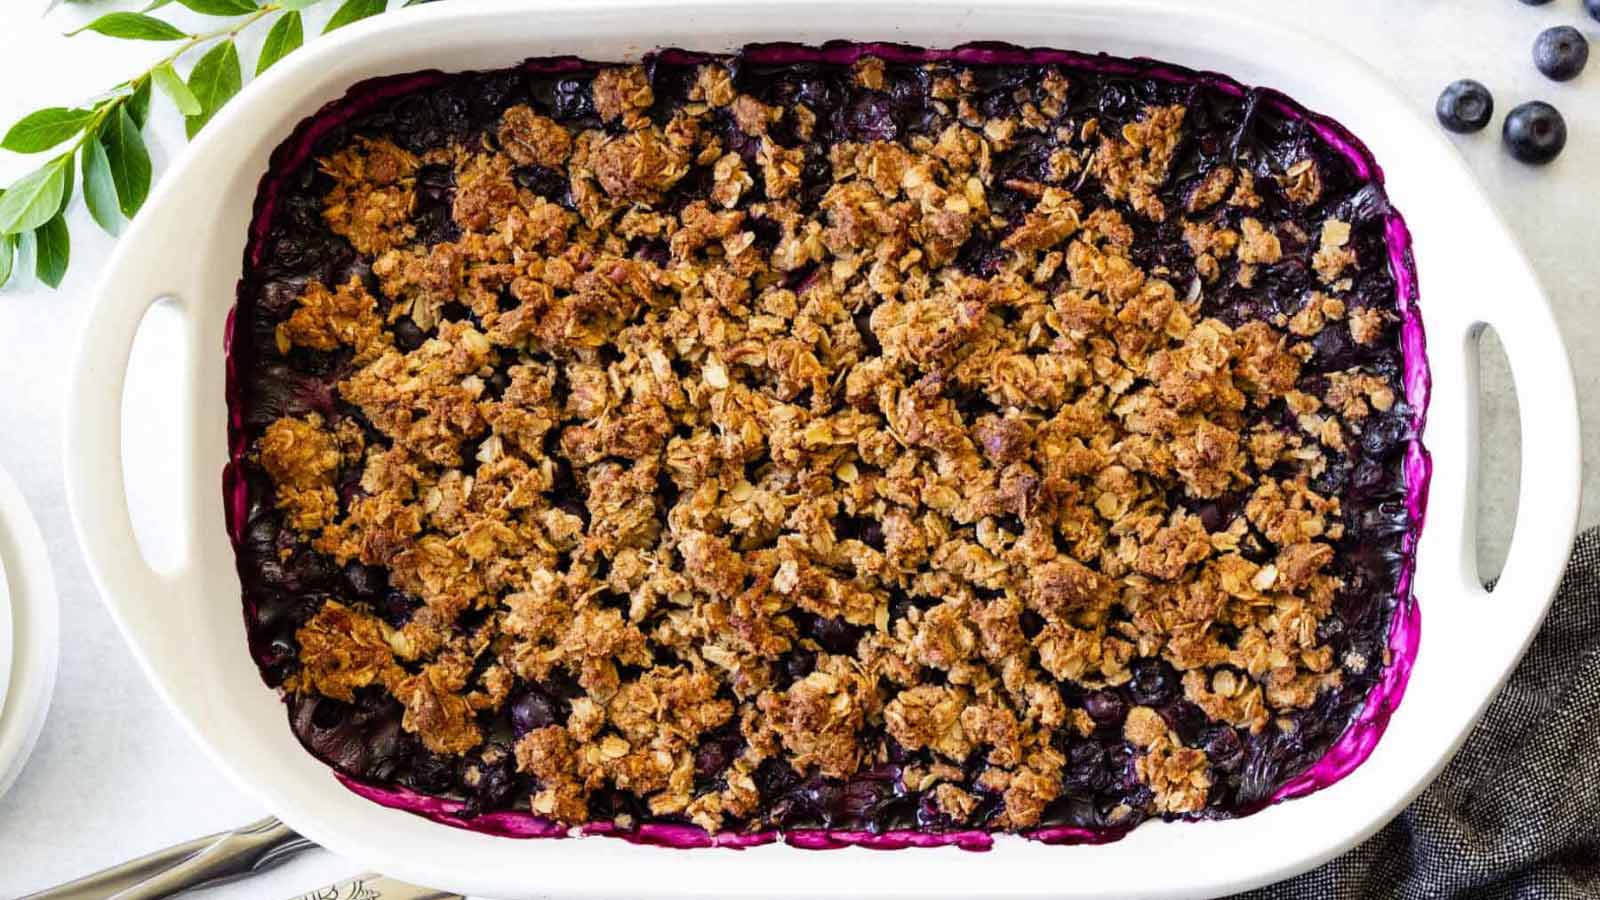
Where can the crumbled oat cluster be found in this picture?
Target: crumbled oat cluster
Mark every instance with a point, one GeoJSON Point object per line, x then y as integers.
{"type": "Point", "coordinates": [688, 448]}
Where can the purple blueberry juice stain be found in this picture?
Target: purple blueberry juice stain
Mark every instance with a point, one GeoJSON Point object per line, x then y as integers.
{"type": "Point", "coordinates": [362, 740]}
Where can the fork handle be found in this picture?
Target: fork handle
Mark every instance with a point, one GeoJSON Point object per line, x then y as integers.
{"type": "Point", "coordinates": [209, 860]}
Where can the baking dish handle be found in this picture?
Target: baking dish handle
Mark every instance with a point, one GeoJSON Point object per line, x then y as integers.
{"type": "Point", "coordinates": [96, 489]}
{"type": "Point", "coordinates": [1552, 460]}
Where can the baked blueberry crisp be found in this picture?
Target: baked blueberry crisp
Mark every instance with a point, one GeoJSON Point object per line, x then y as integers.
{"type": "Point", "coordinates": [856, 438]}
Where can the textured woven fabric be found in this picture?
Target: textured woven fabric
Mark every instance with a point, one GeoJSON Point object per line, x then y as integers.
{"type": "Point", "coordinates": [1517, 813]}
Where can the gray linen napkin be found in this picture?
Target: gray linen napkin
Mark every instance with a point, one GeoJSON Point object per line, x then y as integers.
{"type": "Point", "coordinates": [1517, 813]}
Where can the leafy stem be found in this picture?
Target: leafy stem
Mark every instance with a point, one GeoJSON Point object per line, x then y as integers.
{"type": "Point", "coordinates": [105, 136]}
{"type": "Point", "coordinates": [195, 40]}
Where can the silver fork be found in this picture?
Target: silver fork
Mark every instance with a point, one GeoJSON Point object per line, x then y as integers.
{"type": "Point", "coordinates": [202, 862]}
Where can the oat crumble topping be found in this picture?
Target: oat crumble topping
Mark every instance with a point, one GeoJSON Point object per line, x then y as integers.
{"type": "Point", "coordinates": [687, 445]}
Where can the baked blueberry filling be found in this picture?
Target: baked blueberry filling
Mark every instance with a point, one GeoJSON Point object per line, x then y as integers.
{"type": "Point", "coordinates": [856, 438]}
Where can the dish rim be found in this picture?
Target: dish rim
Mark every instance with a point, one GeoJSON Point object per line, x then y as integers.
{"type": "Point", "coordinates": [1531, 339]}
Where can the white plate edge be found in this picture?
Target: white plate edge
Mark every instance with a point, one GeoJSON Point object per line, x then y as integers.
{"type": "Point", "coordinates": [35, 619]}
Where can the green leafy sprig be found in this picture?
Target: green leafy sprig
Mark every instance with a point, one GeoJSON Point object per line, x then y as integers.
{"type": "Point", "coordinates": [104, 139]}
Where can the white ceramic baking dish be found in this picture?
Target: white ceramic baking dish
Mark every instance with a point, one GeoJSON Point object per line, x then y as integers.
{"type": "Point", "coordinates": [184, 624]}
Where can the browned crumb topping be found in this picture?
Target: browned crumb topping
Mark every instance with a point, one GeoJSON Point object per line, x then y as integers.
{"type": "Point", "coordinates": [622, 92]}
{"type": "Point", "coordinates": [1366, 325]}
{"type": "Point", "coordinates": [327, 319]}
{"type": "Point", "coordinates": [1178, 775]}
{"type": "Point", "coordinates": [667, 480]}
{"type": "Point", "coordinates": [1211, 189]}
{"type": "Point", "coordinates": [1258, 244]}
{"type": "Point", "coordinates": [302, 456]}
{"type": "Point", "coordinates": [1134, 168]}
{"type": "Point", "coordinates": [373, 196]}
{"type": "Point", "coordinates": [341, 650]}
{"type": "Point", "coordinates": [1333, 255]}
{"type": "Point", "coordinates": [1302, 183]}
{"type": "Point", "coordinates": [530, 139]}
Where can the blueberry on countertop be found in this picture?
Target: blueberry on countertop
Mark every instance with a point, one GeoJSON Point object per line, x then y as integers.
{"type": "Point", "coordinates": [1561, 53]}
{"type": "Point", "coordinates": [1534, 2]}
{"type": "Point", "coordinates": [1465, 106]}
{"type": "Point", "coordinates": [1593, 6]}
{"type": "Point", "coordinates": [1535, 132]}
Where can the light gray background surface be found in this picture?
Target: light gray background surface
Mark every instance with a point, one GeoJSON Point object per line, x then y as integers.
{"type": "Point", "coordinates": [113, 776]}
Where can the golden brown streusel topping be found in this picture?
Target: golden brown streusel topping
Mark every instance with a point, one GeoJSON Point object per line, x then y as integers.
{"type": "Point", "coordinates": [803, 475]}
{"type": "Point", "coordinates": [373, 196]}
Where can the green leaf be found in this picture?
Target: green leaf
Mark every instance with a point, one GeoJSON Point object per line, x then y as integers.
{"type": "Point", "coordinates": [36, 197]}
{"type": "Point", "coordinates": [184, 99]}
{"type": "Point", "coordinates": [286, 35]}
{"type": "Point", "coordinates": [130, 162]}
{"type": "Point", "coordinates": [99, 188]}
{"type": "Point", "coordinates": [354, 11]}
{"type": "Point", "coordinates": [220, 7]}
{"type": "Point", "coordinates": [8, 257]}
{"type": "Point", "coordinates": [52, 250]}
{"type": "Point", "coordinates": [132, 26]}
{"type": "Point", "coordinates": [138, 105]}
{"type": "Point", "coordinates": [297, 4]}
{"type": "Point", "coordinates": [155, 5]}
{"type": "Point", "coordinates": [214, 80]}
{"type": "Point", "coordinates": [66, 178]}
{"type": "Point", "coordinates": [44, 129]}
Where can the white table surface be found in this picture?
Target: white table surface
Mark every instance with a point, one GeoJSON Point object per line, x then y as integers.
{"type": "Point", "coordinates": [114, 777]}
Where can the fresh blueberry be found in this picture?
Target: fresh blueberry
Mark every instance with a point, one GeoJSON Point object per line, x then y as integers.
{"type": "Point", "coordinates": [799, 663]}
{"type": "Point", "coordinates": [1465, 106]}
{"type": "Point", "coordinates": [432, 774]}
{"type": "Point", "coordinates": [1593, 6]}
{"type": "Point", "coordinates": [488, 779]}
{"type": "Point", "coordinates": [1535, 132]}
{"type": "Point", "coordinates": [550, 184]}
{"type": "Point", "coordinates": [1105, 707]}
{"type": "Point", "coordinates": [1222, 747]}
{"type": "Point", "coordinates": [397, 607]}
{"type": "Point", "coordinates": [533, 710]}
{"type": "Point", "coordinates": [861, 800]}
{"type": "Point", "coordinates": [1154, 682]}
{"type": "Point", "coordinates": [715, 754]}
{"type": "Point", "coordinates": [1561, 53]}
{"type": "Point", "coordinates": [835, 635]}
{"type": "Point", "coordinates": [408, 335]}
{"type": "Point", "coordinates": [1534, 2]}
{"type": "Point", "coordinates": [871, 118]}
{"type": "Point", "coordinates": [1087, 766]}
{"type": "Point", "coordinates": [364, 581]}
{"type": "Point", "coordinates": [1031, 623]}
{"type": "Point", "coordinates": [496, 786]}
{"type": "Point", "coordinates": [1185, 719]}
